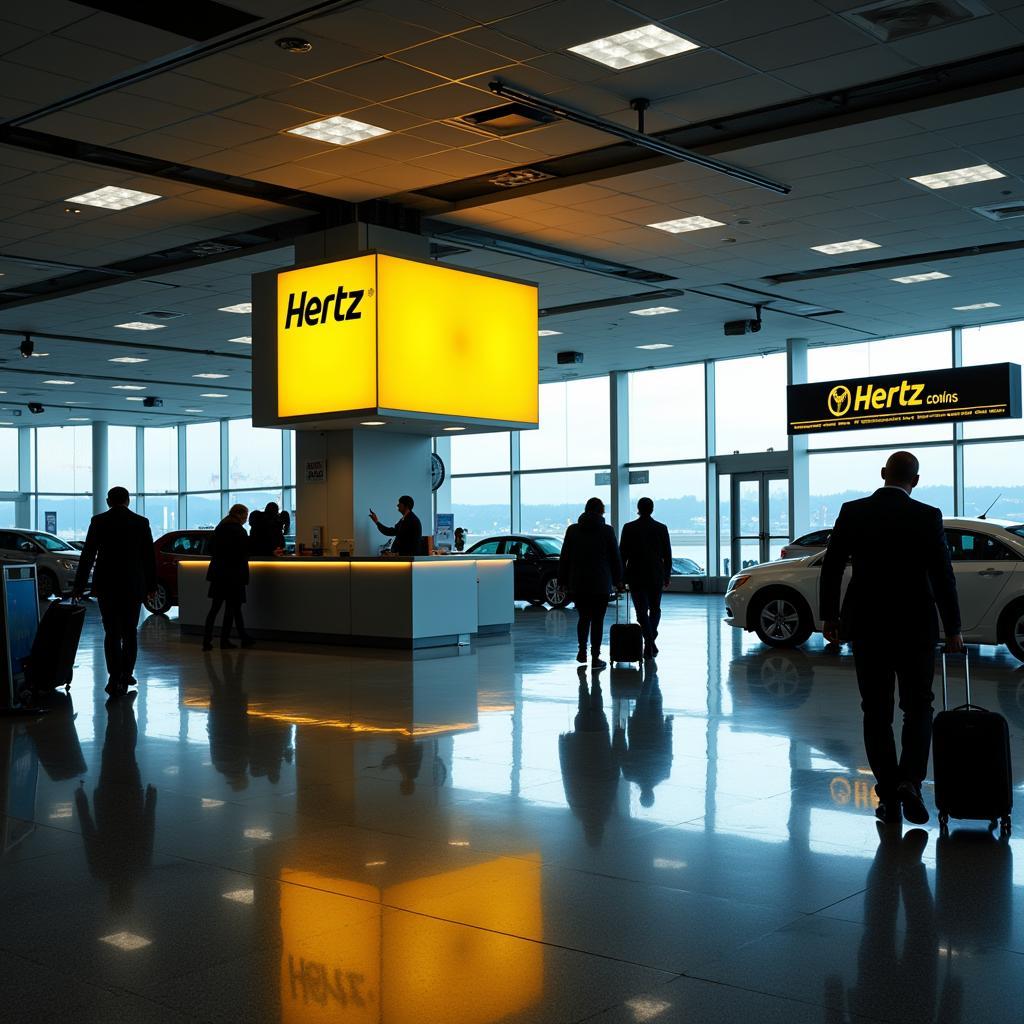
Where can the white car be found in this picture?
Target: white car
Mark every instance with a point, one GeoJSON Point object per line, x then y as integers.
{"type": "Point", "coordinates": [779, 600]}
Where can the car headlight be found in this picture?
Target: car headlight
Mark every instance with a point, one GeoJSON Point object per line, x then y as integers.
{"type": "Point", "coordinates": [66, 563]}
{"type": "Point", "coordinates": [736, 582]}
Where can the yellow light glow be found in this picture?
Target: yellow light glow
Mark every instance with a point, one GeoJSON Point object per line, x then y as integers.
{"type": "Point", "coordinates": [327, 337]}
{"type": "Point", "coordinates": [452, 343]}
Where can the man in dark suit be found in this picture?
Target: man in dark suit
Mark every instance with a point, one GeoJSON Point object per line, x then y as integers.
{"type": "Point", "coordinates": [120, 544]}
{"type": "Point", "coordinates": [901, 572]}
{"type": "Point", "coordinates": [408, 531]}
{"type": "Point", "coordinates": [647, 557]}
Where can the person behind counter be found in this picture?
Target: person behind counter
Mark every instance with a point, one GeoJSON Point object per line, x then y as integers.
{"type": "Point", "coordinates": [408, 532]}
{"type": "Point", "coordinates": [228, 575]}
{"type": "Point", "coordinates": [266, 531]}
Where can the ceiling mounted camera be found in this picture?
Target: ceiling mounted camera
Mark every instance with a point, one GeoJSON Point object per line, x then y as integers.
{"type": "Point", "coordinates": [567, 358]}
{"type": "Point", "coordinates": [35, 408]}
{"type": "Point", "coordinates": [152, 402]}
{"type": "Point", "coordinates": [735, 327]}
{"type": "Point", "coordinates": [27, 347]}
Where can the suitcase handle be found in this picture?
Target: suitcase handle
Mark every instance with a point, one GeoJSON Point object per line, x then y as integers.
{"type": "Point", "coordinates": [622, 595]}
{"type": "Point", "coordinates": [967, 681]}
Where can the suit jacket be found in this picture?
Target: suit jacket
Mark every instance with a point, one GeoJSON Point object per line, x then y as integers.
{"type": "Point", "coordinates": [120, 543]}
{"type": "Point", "coordinates": [901, 571]}
{"type": "Point", "coordinates": [589, 564]}
{"type": "Point", "coordinates": [646, 553]}
{"type": "Point", "coordinates": [265, 533]}
{"type": "Point", "coordinates": [408, 532]}
{"type": "Point", "coordinates": [229, 562]}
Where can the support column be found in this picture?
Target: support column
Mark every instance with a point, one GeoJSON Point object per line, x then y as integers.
{"type": "Point", "coordinates": [712, 513]}
{"type": "Point", "coordinates": [618, 383]}
{"type": "Point", "coordinates": [26, 480]}
{"type": "Point", "coordinates": [959, 503]}
{"type": "Point", "coordinates": [799, 460]}
{"type": "Point", "coordinates": [225, 470]}
{"type": "Point", "coordinates": [515, 485]}
{"type": "Point", "coordinates": [443, 495]}
{"type": "Point", "coordinates": [100, 466]}
{"type": "Point", "coordinates": [182, 439]}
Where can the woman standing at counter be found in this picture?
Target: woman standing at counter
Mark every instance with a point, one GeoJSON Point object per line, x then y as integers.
{"type": "Point", "coordinates": [228, 576]}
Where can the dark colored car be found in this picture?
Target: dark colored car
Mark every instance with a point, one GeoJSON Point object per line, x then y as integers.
{"type": "Point", "coordinates": [172, 548]}
{"type": "Point", "coordinates": [536, 566]}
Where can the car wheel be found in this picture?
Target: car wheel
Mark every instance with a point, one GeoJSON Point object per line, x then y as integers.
{"type": "Point", "coordinates": [1013, 629]}
{"type": "Point", "coordinates": [160, 601]}
{"type": "Point", "coordinates": [782, 620]}
{"type": "Point", "coordinates": [554, 593]}
{"type": "Point", "coordinates": [47, 585]}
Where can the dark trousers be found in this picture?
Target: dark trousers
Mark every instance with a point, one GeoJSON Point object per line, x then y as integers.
{"type": "Point", "coordinates": [880, 667]}
{"type": "Point", "coordinates": [120, 617]}
{"type": "Point", "coordinates": [647, 604]}
{"type": "Point", "coordinates": [232, 614]}
{"type": "Point", "coordinates": [591, 611]}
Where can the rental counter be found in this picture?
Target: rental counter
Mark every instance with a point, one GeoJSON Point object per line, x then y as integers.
{"type": "Point", "coordinates": [416, 602]}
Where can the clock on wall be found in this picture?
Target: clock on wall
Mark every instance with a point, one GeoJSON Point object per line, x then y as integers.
{"type": "Point", "coordinates": [436, 471]}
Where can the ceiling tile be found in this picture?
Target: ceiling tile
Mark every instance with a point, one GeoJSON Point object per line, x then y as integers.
{"type": "Point", "coordinates": [381, 80]}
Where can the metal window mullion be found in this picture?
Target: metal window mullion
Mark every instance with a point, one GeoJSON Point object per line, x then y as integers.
{"type": "Point", "coordinates": [182, 444]}
{"type": "Point", "coordinates": [515, 491]}
{"type": "Point", "coordinates": [959, 502]}
{"type": "Point", "coordinates": [225, 469]}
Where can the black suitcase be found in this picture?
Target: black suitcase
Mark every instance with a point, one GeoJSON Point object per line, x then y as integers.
{"type": "Point", "coordinates": [52, 661]}
{"type": "Point", "coordinates": [626, 639]}
{"type": "Point", "coordinates": [971, 762]}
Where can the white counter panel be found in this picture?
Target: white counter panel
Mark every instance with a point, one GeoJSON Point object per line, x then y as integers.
{"type": "Point", "coordinates": [495, 594]}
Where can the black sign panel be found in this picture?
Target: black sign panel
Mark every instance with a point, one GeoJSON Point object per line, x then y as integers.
{"type": "Point", "coordinates": [929, 396]}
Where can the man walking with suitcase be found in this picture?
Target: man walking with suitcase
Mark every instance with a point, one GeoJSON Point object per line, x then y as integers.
{"type": "Point", "coordinates": [901, 572]}
{"type": "Point", "coordinates": [120, 544]}
{"type": "Point", "coordinates": [646, 552]}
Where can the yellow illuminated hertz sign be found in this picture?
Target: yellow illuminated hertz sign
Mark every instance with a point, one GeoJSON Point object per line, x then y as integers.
{"type": "Point", "coordinates": [379, 333]}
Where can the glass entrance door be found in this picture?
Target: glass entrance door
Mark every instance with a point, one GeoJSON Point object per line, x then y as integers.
{"type": "Point", "coordinates": [760, 517]}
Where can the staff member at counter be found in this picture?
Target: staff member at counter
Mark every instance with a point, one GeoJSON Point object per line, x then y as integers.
{"type": "Point", "coordinates": [408, 531]}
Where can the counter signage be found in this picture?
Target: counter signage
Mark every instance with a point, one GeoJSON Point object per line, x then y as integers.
{"type": "Point", "coordinates": [316, 471]}
{"type": "Point", "coordinates": [985, 392]}
{"type": "Point", "coordinates": [444, 531]}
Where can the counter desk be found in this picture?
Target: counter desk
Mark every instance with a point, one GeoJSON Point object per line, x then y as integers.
{"type": "Point", "coordinates": [405, 602]}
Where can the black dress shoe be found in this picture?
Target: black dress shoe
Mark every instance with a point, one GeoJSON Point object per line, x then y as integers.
{"type": "Point", "coordinates": [889, 813]}
{"type": "Point", "coordinates": [913, 806]}
{"type": "Point", "coordinates": [581, 655]}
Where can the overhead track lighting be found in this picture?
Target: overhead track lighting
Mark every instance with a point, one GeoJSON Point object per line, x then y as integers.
{"type": "Point", "coordinates": [637, 138]}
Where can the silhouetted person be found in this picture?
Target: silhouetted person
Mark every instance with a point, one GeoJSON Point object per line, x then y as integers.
{"type": "Point", "coordinates": [120, 544]}
{"type": "Point", "coordinates": [408, 759]}
{"type": "Point", "coordinates": [266, 532]}
{"type": "Point", "coordinates": [460, 539]}
{"type": "Point", "coordinates": [644, 748]}
{"type": "Point", "coordinates": [590, 569]}
{"type": "Point", "coordinates": [901, 571]}
{"type": "Point", "coordinates": [118, 833]}
{"type": "Point", "coordinates": [590, 773]}
{"type": "Point", "coordinates": [228, 576]}
{"type": "Point", "coordinates": [646, 552]}
{"type": "Point", "coordinates": [408, 531]}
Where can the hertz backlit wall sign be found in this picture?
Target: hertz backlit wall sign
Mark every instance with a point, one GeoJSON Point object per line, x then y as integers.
{"type": "Point", "coordinates": [931, 396]}
{"type": "Point", "coordinates": [380, 334]}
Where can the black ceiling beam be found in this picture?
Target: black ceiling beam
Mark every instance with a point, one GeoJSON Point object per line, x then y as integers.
{"type": "Point", "coordinates": [78, 339]}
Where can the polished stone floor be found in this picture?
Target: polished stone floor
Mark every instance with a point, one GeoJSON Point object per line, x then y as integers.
{"type": "Point", "coordinates": [301, 835]}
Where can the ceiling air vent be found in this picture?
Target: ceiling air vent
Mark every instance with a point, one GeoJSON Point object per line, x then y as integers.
{"type": "Point", "coordinates": [898, 19]}
{"type": "Point", "coordinates": [1002, 211]}
{"type": "Point", "coordinates": [520, 176]}
{"type": "Point", "coordinates": [160, 314]}
{"type": "Point", "coordinates": [501, 122]}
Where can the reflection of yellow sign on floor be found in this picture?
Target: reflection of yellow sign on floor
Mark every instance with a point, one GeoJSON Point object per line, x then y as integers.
{"type": "Point", "coordinates": [364, 963]}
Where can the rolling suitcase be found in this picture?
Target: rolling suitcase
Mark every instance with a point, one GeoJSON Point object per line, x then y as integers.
{"type": "Point", "coordinates": [971, 761]}
{"type": "Point", "coordinates": [626, 639]}
{"type": "Point", "coordinates": [52, 661]}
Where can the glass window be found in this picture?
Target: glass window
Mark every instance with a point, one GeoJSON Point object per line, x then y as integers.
{"type": "Point", "coordinates": [255, 499]}
{"type": "Point", "coordinates": [202, 511]}
{"type": "Point", "coordinates": [290, 441]}
{"type": "Point", "coordinates": [994, 479]}
{"type": "Point", "coordinates": [574, 426]}
{"type": "Point", "coordinates": [65, 459]}
{"type": "Point", "coordinates": [666, 414]}
{"type": "Point", "coordinates": [121, 463]}
{"type": "Point", "coordinates": [750, 404]}
{"type": "Point", "coordinates": [482, 506]}
{"type": "Point", "coordinates": [8, 459]}
{"type": "Point", "coordinates": [680, 502]}
{"type": "Point", "coordinates": [161, 511]}
{"type": "Point", "coordinates": [993, 343]}
{"type": "Point", "coordinates": [480, 453]}
{"type": "Point", "coordinates": [202, 455]}
{"type": "Point", "coordinates": [7, 513]}
{"type": "Point", "coordinates": [73, 514]}
{"type": "Point", "coordinates": [967, 546]}
{"type": "Point", "coordinates": [551, 501]}
{"type": "Point", "coordinates": [489, 547]}
{"type": "Point", "coordinates": [160, 447]}
{"type": "Point", "coordinates": [255, 455]}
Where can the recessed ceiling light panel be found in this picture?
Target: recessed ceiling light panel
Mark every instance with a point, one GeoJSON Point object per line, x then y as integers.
{"type": "Point", "coordinates": [213, 394]}
{"type": "Point", "coordinates": [547, 334]}
{"type": "Point", "coordinates": [653, 311]}
{"type": "Point", "coordinates": [128, 387]}
{"type": "Point", "coordinates": [635, 46]}
{"type": "Point", "coordinates": [977, 305]}
{"type": "Point", "coordinates": [243, 340]}
{"type": "Point", "coordinates": [854, 245]}
{"type": "Point", "coordinates": [681, 224]}
{"type": "Point", "coordinates": [961, 176]}
{"type": "Point", "coordinates": [58, 382]}
{"type": "Point", "coordinates": [339, 131]}
{"type": "Point", "coordinates": [655, 346]}
{"type": "Point", "coordinates": [935, 275]}
{"type": "Point", "coordinates": [112, 198]}
{"type": "Point", "coordinates": [238, 307]}
{"type": "Point", "coordinates": [140, 325]}
{"type": "Point", "coordinates": [129, 359]}
{"type": "Point", "coordinates": [209, 376]}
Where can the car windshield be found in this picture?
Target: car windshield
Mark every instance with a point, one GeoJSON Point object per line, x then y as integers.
{"type": "Point", "coordinates": [1017, 530]}
{"type": "Point", "coordinates": [549, 545]}
{"type": "Point", "coordinates": [50, 543]}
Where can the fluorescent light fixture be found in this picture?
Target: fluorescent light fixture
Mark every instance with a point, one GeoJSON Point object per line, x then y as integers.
{"type": "Point", "coordinates": [213, 394]}
{"type": "Point", "coordinates": [238, 307]}
{"type": "Point", "coordinates": [78, 419]}
{"type": "Point", "coordinates": [128, 387]}
{"type": "Point", "coordinates": [128, 359]}
{"type": "Point", "coordinates": [6, 423]}
{"type": "Point", "coordinates": [244, 896]}
{"type": "Point", "coordinates": [193, 410]}
{"type": "Point", "coordinates": [140, 325]}
{"type": "Point", "coordinates": [681, 224]}
{"type": "Point", "coordinates": [854, 245]}
{"type": "Point", "coordinates": [653, 311]}
{"type": "Point", "coordinates": [672, 865]}
{"type": "Point", "coordinates": [134, 399]}
{"type": "Point", "coordinates": [547, 334]}
{"type": "Point", "coordinates": [338, 130]}
{"type": "Point", "coordinates": [374, 423]}
{"type": "Point", "coordinates": [961, 176]}
{"type": "Point", "coordinates": [244, 340]}
{"type": "Point", "coordinates": [655, 346]}
{"type": "Point", "coordinates": [368, 864]}
{"type": "Point", "coordinates": [258, 833]}
{"type": "Point", "coordinates": [635, 46]}
{"type": "Point", "coordinates": [62, 382]}
{"type": "Point", "coordinates": [209, 376]}
{"type": "Point", "coordinates": [126, 941]}
{"type": "Point", "coordinates": [935, 275]}
{"type": "Point", "coordinates": [977, 305]}
{"type": "Point", "coordinates": [453, 429]}
{"type": "Point", "coordinates": [110, 197]}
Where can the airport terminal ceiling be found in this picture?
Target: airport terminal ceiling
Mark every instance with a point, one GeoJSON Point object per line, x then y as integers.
{"type": "Point", "coordinates": [802, 93]}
